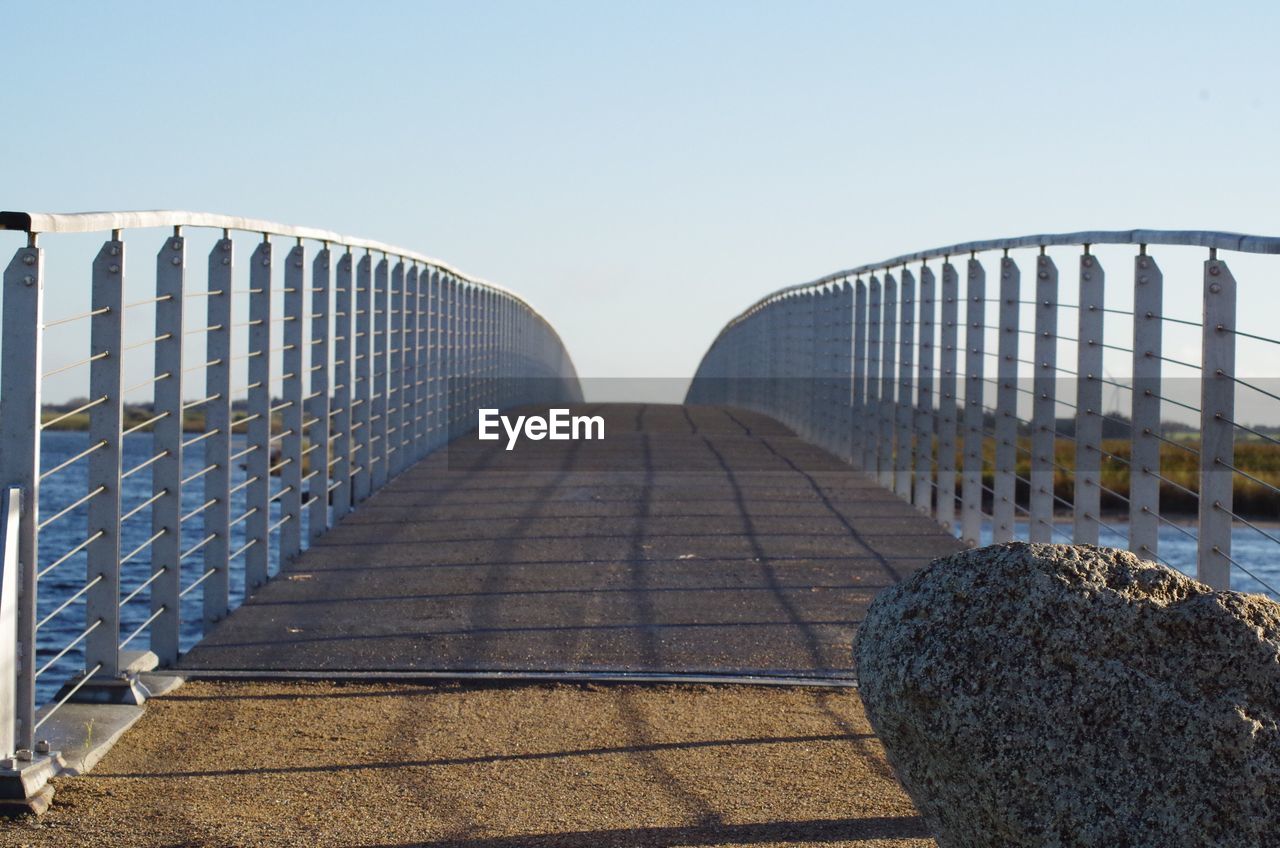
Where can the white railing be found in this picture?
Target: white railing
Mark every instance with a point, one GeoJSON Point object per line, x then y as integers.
{"type": "Point", "coordinates": [872, 363]}
{"type": "Point", "coordinates": [324, 371]}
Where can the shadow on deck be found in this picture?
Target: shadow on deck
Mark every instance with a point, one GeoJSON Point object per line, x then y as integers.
{"type": "Point", "coordinates": [691, 540]}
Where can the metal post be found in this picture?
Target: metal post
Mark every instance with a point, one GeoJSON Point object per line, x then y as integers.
{"type": "Point", "coordinates": [11, 636]}
{"type": "Point", "coordinates": [946, 508]}
{"type": "Point", "coordinates": [906, 409]}
{"type": "Point", "coordinates": [217, 424]}
{"type": "Point", "coordinates": [923, 495]}
{"type": "Point", "coordinates": [258, 424]}
{"type": "Point", "coordinates": [381, 385]}
{"type": "Point", "coordinates": [290, 542]}
{"type": "Point", "coordinates": [1044, 403]}
{"type": "Point", "coordinates": [435, 360]}
{"type": "Point", "coordinates": [1144, 457]}
{"type": "Point", "coordinates": [408, 371]}
{"type": "Point", "coordinates": [1005, 487]}
{"type": "Point", "coordinates": [395, 362]}
{"type": "Point", "coordinates": [862, 414]}
{"type": "Point", "coordinates": [888, 406]}
{"type": "Point", "coordinates": [21, 364]}
{"type": "Point", "coordinates": [166, 474]}
{"type": "Point", "coordinates": [871, 430]}
{"type": "Point", "coordinates": [974, 407]}
{"type": "Point", "coordinates": [363, 381]}
{"type": "Point", "coordinates": [1088, 495]}
{"type": "Point", "coordinates": [106, 328]}
{"type": "Point", "coordinates": [842, 418]}
{"type": "Point", "coordinates": [318, 403]}
{"type": "Point", "coordinates": [1217, 427]}
{"type": "Point", "coordinates": [343, 377]}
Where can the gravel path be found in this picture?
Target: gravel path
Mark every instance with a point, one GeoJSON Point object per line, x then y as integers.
{"type": "Point", "coordinates": [317, 764]}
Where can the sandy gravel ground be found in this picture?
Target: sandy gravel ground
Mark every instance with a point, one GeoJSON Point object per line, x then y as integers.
{"type": "Point", "coordinates": [313, 764]}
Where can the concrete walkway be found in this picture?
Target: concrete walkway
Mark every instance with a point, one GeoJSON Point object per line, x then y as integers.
{"type": "Point", "coordinates": [545, 766]}
{"type": "Point", "coordinates": [690, 540]}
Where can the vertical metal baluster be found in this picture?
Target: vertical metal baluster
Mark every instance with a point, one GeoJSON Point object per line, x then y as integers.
{"type": "Point", "coordinates": [1005, 488]}
{"type": "Point", "coordinates": [217, 447]}
{"type": "Point", "coordinates": [363, 380]}
{"type": "Point", "coordinates": [924, 426]}
{"type": "Point", "coordinates": [871, 429]}
{"type": "Point", "coordinates": [395, 367]}
{"type": "Point", "coordinates": [1089, 404]}
{"type": "Point", "coordinates": [1217, 428]}
{"type": "Point", "coordinates": [318, 404]}
{"type": "Point", "coordinates": [378, 420]}
{"type": "Point", "coordinates": [102, 602]}
{"type": "Point", "coordinates": [1044, 403]}
{"type": "Point", "coordinates": [467, 412]}
{"type": "Point", "coordinates": [809, 367]}
{"type": "Point", "coordinates": [905, 411]}
{"type": "Point", "coordinates": [1144, 458]}
{"type": "Point", "coordinates": [290, 541]}
{"type": "Point", "coordinates": [166, 474]}
{"type": "Point", "coordinates": [861, 410]}
{"type": "Point", "coordinates": [409, 390]}
{"type": "Point", "coordinates": [435, 359]}
{"type": "Point", "coordinates": [842, 423]}
{"type": "Point", "coordinates": [487, 327]}
{"type": "Point", "coordinates": [971, 493]}
{"type": "Point", "coordinates": [946, 509]}
{"type": "Point", "coordinates": [258, 429]}
{"type": "Point", "coordinates": [888, 398]}
{"type": "Point", "coordinates": [343, 384]}
{"type": "Point", "coordinates": [21, 364]}
{"type": "Point", "coordinates": [448, 358]}
{"type": "Point", "coordinates": [426, 309]}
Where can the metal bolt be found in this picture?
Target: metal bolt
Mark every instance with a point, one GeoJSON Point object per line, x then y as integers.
{"type": "Point", "coordinates": [29, 259]}
{"type": "Point", "coordinates": [115, 269]}
{"type": "Point", "coordinates": [1044, 275]}
{"type": "Point", "coordinates": [226, 261]}
{"type": "Point", "coordinates": [1086, 275]}
{"type": "Point", "coordinates": [177, 260]}
{"type": "Point", "coordinates": [226, 244]}
{"type": "Point", "coordinates": [176, 244]}
{"type": "Point", "coordinates": [42, 747]}
{"type": "Point", "coordinates": [114, 251]}
{"type": "Point", "coordinates": [1215, 288]}
{"type": "Point", "coordinates": [1143, 263]}
{"type": "Point", "coordinates": [28, 280]}
{"type": "Point", "coordinates": [1143, 279]}
{"type": "Point", "coordinates": [23, 754]}
{"type": "Point", "coordinates": [1213, 270]}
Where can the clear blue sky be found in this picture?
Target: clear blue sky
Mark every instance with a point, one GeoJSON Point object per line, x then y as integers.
{"type": "Point", "coordinates": [642, 171]}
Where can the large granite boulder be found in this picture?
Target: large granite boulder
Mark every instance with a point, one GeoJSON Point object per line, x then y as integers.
{"type": "Point", "coordinates": [1059, 695]}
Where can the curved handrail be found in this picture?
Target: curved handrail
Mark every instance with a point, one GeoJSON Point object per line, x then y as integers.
{"type": "Point", "coordinates": [1213, 239]}
{"type": "Point", "coordinates": [92, 222]}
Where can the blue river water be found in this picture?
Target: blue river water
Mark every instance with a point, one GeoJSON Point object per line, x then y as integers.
{"type": "Point", "coordinates": [1249, 548]}
{"type": "Point", "coordinates": [71, 483]}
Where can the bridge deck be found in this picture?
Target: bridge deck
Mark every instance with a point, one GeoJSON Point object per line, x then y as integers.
{"type": "Point", "coordinates": [690, 540]}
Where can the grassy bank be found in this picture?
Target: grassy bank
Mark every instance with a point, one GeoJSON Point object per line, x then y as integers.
{"type": "Point", "coordinates": [1178, 465]}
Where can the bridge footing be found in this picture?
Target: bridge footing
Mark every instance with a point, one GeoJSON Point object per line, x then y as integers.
{"type": "Point", "coordinates": [24, 783]}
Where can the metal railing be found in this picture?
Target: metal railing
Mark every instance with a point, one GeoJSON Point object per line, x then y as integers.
{"type": "Point", "coordinates": [952, 393]}
{"type": "Point", "coordinates": [323, 373]}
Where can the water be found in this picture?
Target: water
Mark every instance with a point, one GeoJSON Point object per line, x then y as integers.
{"type": "Point", "coordinates": [1257, 553]}
{"type": "Point", "coordinates": [70, 484]}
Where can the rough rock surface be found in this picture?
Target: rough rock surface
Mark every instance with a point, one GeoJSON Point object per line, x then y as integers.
{"type": "Point", "coordinates": [1059, 695]}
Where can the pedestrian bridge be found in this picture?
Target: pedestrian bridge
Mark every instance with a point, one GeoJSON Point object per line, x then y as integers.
{"type": "Point", "coordinates": [278, 474]}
